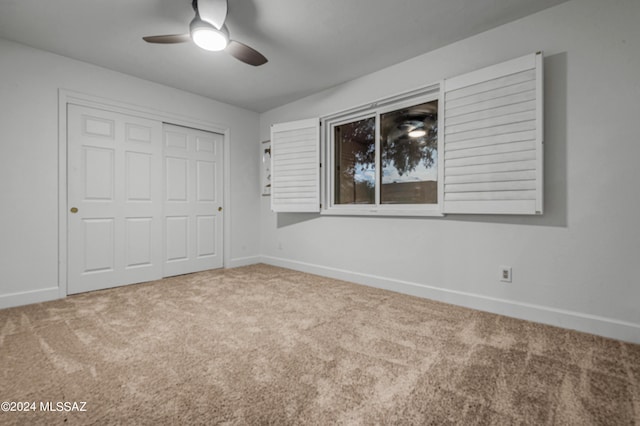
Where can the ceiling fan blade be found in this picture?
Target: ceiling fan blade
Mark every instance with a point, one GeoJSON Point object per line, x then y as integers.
{"type": "Point", "coordinates": [213, 11]}
{"type": "Point", "coordinates": [246, 54]}
{"type": "Point", "coordinates": [167, 39]}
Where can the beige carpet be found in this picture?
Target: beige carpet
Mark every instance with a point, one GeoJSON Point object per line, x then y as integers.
{"type": "Point", "coordinates": [264, 345]}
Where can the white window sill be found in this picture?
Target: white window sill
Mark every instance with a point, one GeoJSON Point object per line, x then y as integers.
{"type": "Point", "coordinates": [381, 212]}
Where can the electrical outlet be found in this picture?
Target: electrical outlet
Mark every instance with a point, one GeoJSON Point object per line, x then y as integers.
{"type": "Point", "coordinates": [505, 274]}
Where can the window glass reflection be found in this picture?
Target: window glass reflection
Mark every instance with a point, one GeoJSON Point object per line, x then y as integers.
{"type": "Point", "coordinates": [355, 177]}
{"type": "Point", "coordinates": [409, 155]}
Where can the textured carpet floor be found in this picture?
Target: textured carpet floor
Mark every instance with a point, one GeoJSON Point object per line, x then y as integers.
{"type": "Point", "coordinates": [264, 345]}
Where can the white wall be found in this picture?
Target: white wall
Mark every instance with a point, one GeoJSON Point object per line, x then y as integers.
{"type": "Point", "coordinates": [29, 83]}
{"type": "Point", "coordinates": [578, 265]}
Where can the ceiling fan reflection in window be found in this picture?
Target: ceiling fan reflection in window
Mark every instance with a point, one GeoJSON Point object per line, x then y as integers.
{"type": "Point", "coordinates": [208, 31]}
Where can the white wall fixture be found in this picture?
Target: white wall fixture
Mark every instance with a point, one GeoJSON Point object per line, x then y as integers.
{"type": "Point", "coordinates": [265, 170]}
{"type": "Point", "coordinates": [505, 274]}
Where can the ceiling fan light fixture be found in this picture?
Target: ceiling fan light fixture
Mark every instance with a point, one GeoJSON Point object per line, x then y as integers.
{"type": "Point", "coordinates": [212, 34]}
{"type": "Point", "coordinates": [208, 37]}
{"type": "Point", "coordinates": [418, 133]}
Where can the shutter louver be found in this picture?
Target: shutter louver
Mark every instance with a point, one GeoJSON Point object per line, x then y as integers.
{"type": "Point", "coordinates": [493, 139]}
{"type": "Point", "coordinates": [295, 166]}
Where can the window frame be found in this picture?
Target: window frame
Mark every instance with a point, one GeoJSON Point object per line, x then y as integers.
{"type": "Point", "coordinates": [418, 96]}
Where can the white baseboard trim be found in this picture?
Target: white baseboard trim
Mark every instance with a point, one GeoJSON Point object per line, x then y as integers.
{"type": "Point", "coordinates": [593, 324]}
{"type": "Point", "coordinates": [243, 261]}
{"type": "Point", "coordinates": [47, 294]}
{"type": "Point", "coordinates": [29, 297]}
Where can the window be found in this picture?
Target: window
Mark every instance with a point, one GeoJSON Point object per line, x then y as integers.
{"type": "Point", "coordinates": [383, 159]}
{"type": "Point", "coordinates": [471, 144]}
{"type": "Point", "coordinates": [408, 160]}
{"type": "Point", "coordinates": [354, 162]}
{"type": "Point", "coordinates": [409, 155]}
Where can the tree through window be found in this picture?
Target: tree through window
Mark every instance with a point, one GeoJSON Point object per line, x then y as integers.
{"type": "Point", "coordinates": [355, 153]}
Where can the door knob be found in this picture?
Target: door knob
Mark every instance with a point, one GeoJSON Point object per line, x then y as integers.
{"type": "Point", "coordinates": [74, 210]}
{"type": "Point", "coordinates": [219, 209]}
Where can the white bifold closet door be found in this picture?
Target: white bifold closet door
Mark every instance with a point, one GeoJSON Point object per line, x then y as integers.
{"type": "Point", "coordinates": [144, 199]}
{"type": "Point", "coordinates": [192, 200]}
{"type": "Point", "coordinates": [114, 199]}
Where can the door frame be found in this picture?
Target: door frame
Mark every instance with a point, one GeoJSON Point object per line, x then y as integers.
{"type": "Point", "coordinates": [66, 97]}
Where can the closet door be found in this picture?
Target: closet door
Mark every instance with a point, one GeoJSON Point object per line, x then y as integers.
{"type": "Point", "coordinates": [114, 199]}
{"type": "Point", "coordinates": [192, 201]}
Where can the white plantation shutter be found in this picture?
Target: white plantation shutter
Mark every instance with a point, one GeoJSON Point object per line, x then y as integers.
{"type": "Point", "coordinates": [493, 139]}
{"type": "Point", "coordinates": [295, 166]}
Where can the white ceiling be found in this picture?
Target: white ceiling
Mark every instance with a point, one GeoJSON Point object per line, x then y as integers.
{"type": "Point", "coordinates": [311, 45]}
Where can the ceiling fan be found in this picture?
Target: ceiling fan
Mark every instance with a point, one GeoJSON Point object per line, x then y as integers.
{"type": "Point", "coordinates": [208, 31]}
